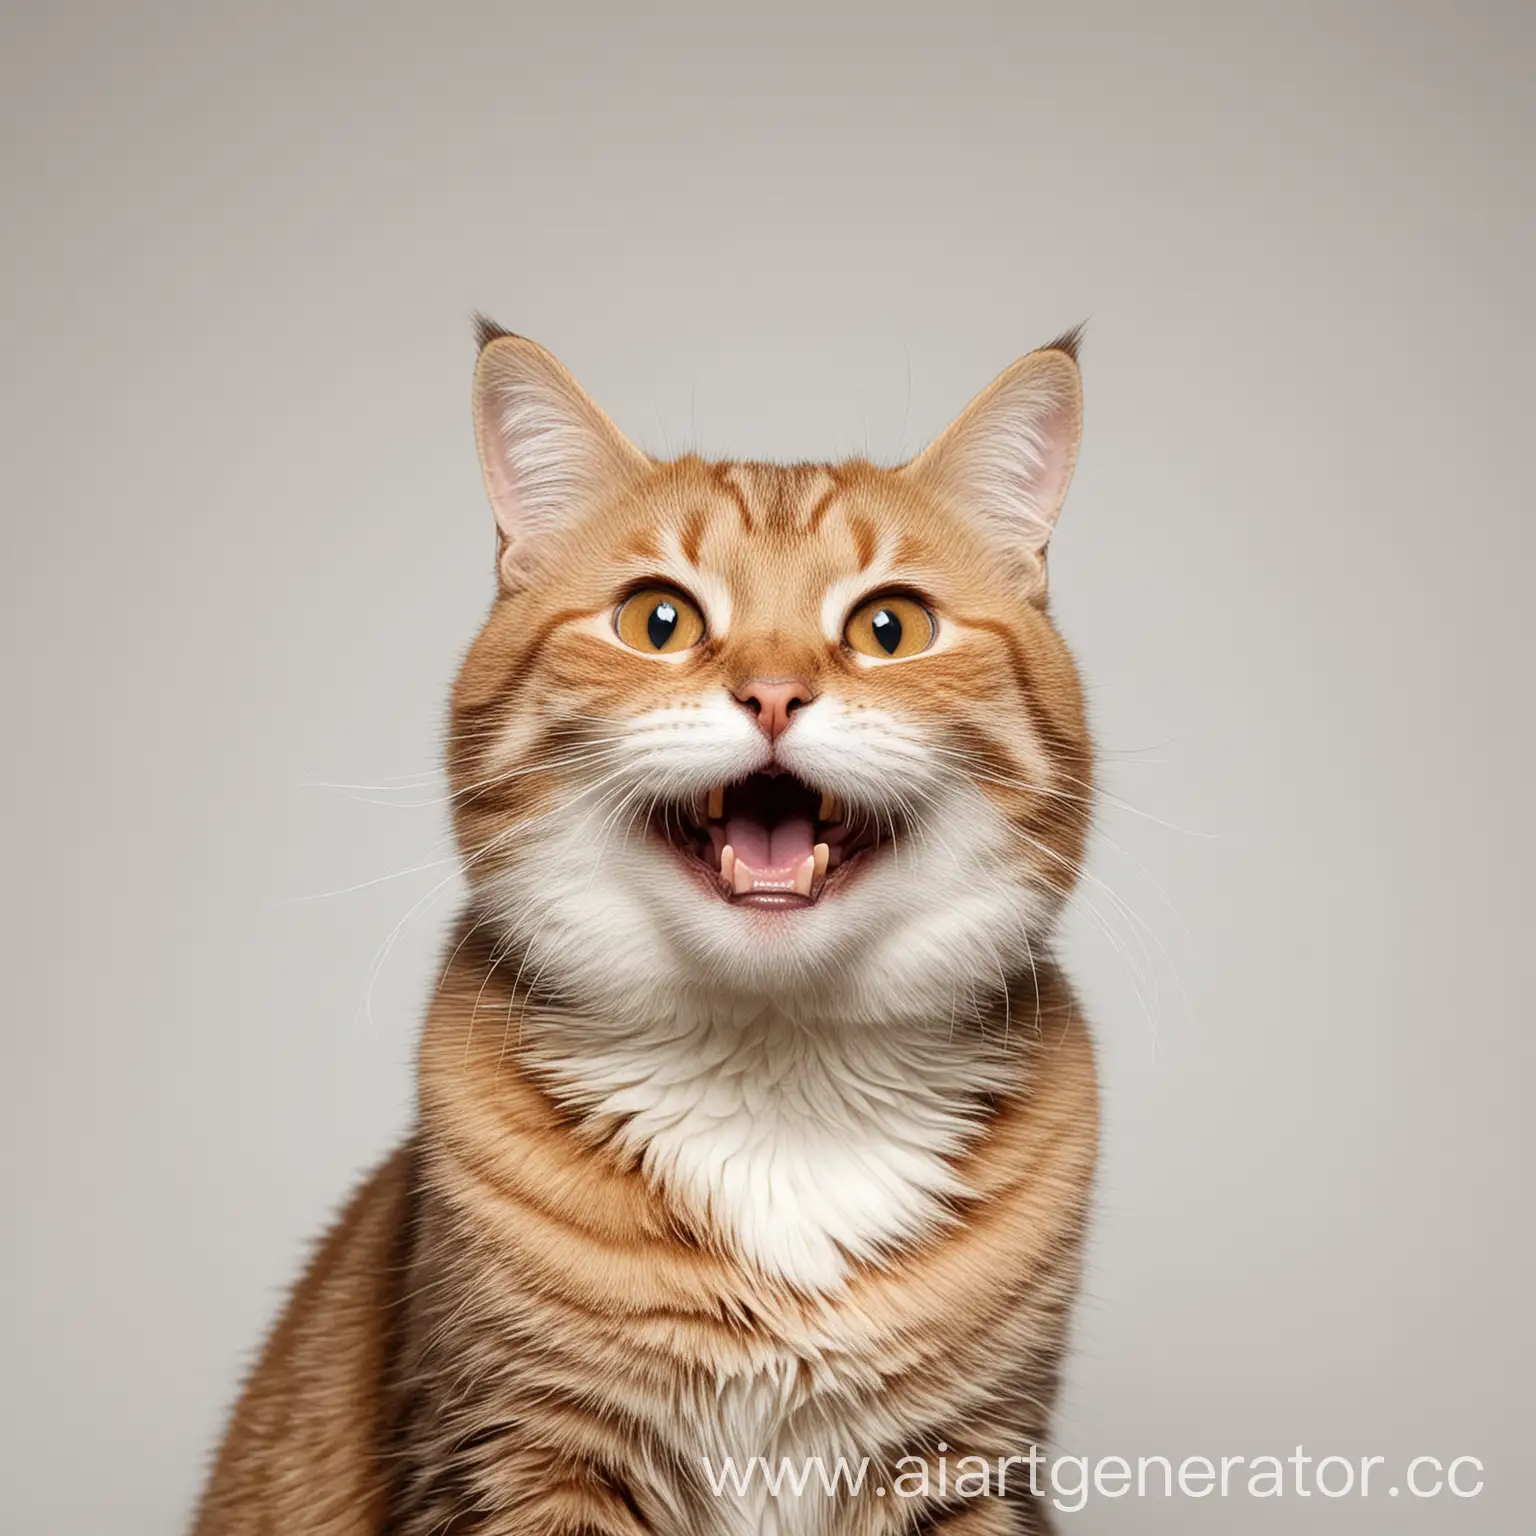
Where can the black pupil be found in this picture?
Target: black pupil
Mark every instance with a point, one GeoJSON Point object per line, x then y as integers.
{"type": "Point", "coordinates": [662, 622]}
{"type": "Point", "coordinates": [887, 628]}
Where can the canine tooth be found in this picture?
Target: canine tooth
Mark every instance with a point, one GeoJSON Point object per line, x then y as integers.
{"type": "Point", "coordinates": [805, 873]}
{"type": "Point", "coordinates": [716, 807]}
{"type": "Point", "coordinates": [742, 878]}
{"type": "Point", "coordinates": [728, 865]}
{"type": "Point", "coordinates": [829, 808]}
{"type": "Point", "coordinates": [820, 856]}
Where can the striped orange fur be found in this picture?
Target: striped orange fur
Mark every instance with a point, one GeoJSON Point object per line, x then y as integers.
{"type": "Point", "coordinates": [755, 1116]}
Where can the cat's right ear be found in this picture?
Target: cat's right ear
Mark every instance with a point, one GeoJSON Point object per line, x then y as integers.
{"type": "Point", "coordinates": [1007, 459]}
{"type": "Point", "coordinates": [547, 451]}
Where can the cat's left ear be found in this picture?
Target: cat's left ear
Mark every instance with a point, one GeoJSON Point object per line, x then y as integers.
{"type": "Point", "coordinates": [1007, 459]}
{"type": "Point", "coordinates": [548, 452]}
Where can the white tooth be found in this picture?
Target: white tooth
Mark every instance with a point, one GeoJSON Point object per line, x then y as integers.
{"type": "Point", "coordinates": [828, 811]}
{"type": "Point", "coordinates": [742, 878]}
{"type": "Point", "coordinates": [820, 854]}
{"type": "Point", "coordinates": [805, 874]}
{"type": "Point", "coordinates": [716, 807]}
{"type": "Point", "coordinates": [728, 865]}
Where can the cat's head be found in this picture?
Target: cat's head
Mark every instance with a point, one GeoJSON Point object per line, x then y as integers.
{"type": "Point", "coordinates": [797, 733]}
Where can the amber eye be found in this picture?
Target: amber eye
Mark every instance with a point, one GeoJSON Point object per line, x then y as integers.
{"type": "Point", "coordinates": [658, 621]}
{"type": "Point", "coordinates": [889, 627]}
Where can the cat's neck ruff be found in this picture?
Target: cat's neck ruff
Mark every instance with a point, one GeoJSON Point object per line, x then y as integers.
{"type": "Point", "coordinates": [804, 1143]}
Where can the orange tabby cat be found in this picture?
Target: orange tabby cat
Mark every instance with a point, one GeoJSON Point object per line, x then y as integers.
{"type": "Point", "coordinates": [755, 1119]}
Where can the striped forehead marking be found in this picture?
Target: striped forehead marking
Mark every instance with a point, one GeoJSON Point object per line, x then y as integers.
{"type": "Point", "coordinates": [779, 499]}
{"type": "Point", "coordinates": [789, 506]}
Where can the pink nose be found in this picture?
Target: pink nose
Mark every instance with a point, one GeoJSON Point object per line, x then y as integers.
{"type": "Point", "coordinates": [774, 701]}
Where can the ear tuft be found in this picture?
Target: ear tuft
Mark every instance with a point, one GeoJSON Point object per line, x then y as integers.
{"type": "Point", "coordinates": [1007, 459]}
{"type": "Point", "coordinates": [549, 454]}
{"type": "Point", "coordinates": [1070, 341]}
{"type": "Point", "coordinates": [486, 330]}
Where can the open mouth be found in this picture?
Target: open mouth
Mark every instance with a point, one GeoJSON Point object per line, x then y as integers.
{"type": "Point", "coordinates": [768, 840]}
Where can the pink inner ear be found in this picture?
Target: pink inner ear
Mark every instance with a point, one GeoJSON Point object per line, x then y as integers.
{"type": "Point", "coordinates": [1015, 460]}
{"type": "Point", "coordinates": [498, 483]}
{"type": "Point", "coordinates": [1056, 453]}
{"type": "Point", "coordinates": [548, 452]}
{"type": "Point", "coordinates": [1008, 457]}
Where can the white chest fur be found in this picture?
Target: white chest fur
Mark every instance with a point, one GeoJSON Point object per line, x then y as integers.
{"type": "Point", "coordinates": [807, 1144]}
{"type": "Point", "coordinates": [765, 1478]}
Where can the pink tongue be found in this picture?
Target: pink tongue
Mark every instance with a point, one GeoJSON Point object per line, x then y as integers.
{"type": "Point", "coordinates": [779, 850]}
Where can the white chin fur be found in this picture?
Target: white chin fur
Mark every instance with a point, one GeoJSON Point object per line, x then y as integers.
{"type": "Point", "coordinates": [800, 1083]}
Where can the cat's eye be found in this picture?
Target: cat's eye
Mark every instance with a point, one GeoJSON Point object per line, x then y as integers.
{"type": "Point", "coordinates": [658, 621]}
{"type": "Point", "coordinates": [890, 627]}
